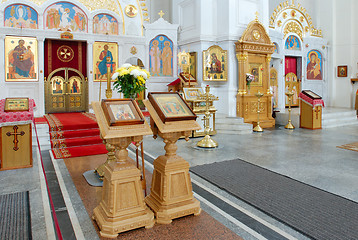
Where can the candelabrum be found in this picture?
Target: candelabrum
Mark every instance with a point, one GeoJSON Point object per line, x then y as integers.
{"type": "Point", "coordinates": [207, 142]}
{"type": "Point", "coordinates": [258, 128]}
{"type": "Point", "coordinates": [109, 89]}
{"type": "Point", "coordinates": [289, 124]}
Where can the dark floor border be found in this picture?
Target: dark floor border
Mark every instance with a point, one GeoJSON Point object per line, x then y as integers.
{"type": "Point", "coordinates": [232, 211]}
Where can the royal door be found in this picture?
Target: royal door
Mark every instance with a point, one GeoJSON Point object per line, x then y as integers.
{"type": "Point", "coordinates": [66, 91]}
{"type": "Point", "coordinates": [66, 87]}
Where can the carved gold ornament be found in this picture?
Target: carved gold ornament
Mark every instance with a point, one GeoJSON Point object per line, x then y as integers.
{"type": "Point", "coordinates": [256, 35]}
{"type": "Point", "coordinates": [65, 53]}
{"type": "Point", "coordinates": [133, 50]}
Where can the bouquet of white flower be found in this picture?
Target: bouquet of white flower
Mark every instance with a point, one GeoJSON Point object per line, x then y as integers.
{"type": "Point", "coordinates": [130, 80]}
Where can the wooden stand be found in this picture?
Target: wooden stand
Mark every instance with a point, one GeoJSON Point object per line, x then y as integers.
{"type": "Point", "coordinates": [171, 193]}
{"type": "Point", "coordinates": [15, 146]}
{"type": "Point", "coordinates": [122, 207]}
{"type": "Point", "coordinates": [310, 117]}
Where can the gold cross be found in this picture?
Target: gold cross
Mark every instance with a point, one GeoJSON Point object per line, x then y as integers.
{"type": "Point", "coordinates": [257, 15]}
{"type": "Point", "coordinates": [15, 133]}
{"type": "Point", "coordinates": [161, 14]}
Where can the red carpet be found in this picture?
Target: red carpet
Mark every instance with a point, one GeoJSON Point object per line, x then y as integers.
{"type": "Point", "coordinates": [74, 135]}
{"type": "Point", "coordinates": [40, 120]}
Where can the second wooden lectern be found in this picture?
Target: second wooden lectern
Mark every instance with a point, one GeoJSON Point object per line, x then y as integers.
{"type": "Point", "coordinates": [171, 193]}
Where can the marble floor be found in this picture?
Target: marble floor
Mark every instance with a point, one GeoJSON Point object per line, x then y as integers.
{"type": "Point", "coordinates": [309, 156]}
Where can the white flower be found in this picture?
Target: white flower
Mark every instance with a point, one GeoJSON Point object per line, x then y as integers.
{"type": "Point", "coordinates": [144, 75]}
{"type": "Point", "coordinates": [126, 65]}
{"type": "Point", "coordinates": [135, 73]}
{"type": "Point", "coordinates": [115, 75]}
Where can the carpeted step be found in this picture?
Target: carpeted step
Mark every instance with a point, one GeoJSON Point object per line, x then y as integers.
{"type": "Point", "coordinates": [72, 142]}
{"type": "Point", "coordinates": [75, 133]}
{"type": "Point", "coordinates": [79, 151]}
{"type": "Point", "coordinates": [71, 121]}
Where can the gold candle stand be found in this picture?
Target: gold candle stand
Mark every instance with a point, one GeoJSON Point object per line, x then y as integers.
{"type": "Point", "coordinates": [289, 124]}
{"type": "Point", "coordinates": [258, 128]}
{"type": "Point", "coordinates": [207, 141]}
{"type": "Point", "coordinates": [109, 89]}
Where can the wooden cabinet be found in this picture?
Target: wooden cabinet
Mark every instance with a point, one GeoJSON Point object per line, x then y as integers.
{"type": "Point", "coordinates": [15, 146]}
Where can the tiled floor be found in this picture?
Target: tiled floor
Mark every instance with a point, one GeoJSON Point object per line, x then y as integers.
{"type": "Point", "coordinates": [308, 156]}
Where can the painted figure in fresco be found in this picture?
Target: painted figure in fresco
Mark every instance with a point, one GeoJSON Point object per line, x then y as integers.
{"type": "Point", "coordinates": [75, 88]}
{"type": "Point", "coordinates": [155, 58]}
{"type": "Point", "coordinates": [65, 19]}
{"type": "Point", "coordinates": [80, 21]}
{"type": "Point", "coordinates": [20, 12]}
{"type": "Point", "coordinates": [114, 27]}
{"type": "Point", "coordinates": [102, 66]}
{"type": "Point", "coordinates": [167, 59]}
{"type": "Point", "coordinates": [131, 12]}
{"type": "Point", "coordinates": [96, 24]}
{"type": "Point", "coordinates": [53, 19]}
{"type": "Point", "coordinates": [215, 66]}
{"type": "Point", "coordinates": [292, 43]}
{"type": "Point", "coordinates": [20, 16]}
{"type": "Point", "coordinates": [22, 59]}
{"type": "Point", "coordinates": [314, 67]}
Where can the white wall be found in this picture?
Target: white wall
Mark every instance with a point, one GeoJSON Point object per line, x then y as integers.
{"type": "Point", "coordinates": [338, 24]}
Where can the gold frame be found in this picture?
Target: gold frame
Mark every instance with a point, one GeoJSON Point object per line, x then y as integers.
{"type": "Point", "coordinates": [344, 68]}
{"type": "Point", "coordinates": [193, 62]}
{"type": "Point", "coordinates": [97, 49]}
{"type": "Point", "coordinates": [170, 117]}
{"type": "Point", "coordinates": [221, 54]}
{"type": "Point", "coordinates": [187, 96]}
{"type": "Point", "coordinates": [259, 67]}
{"type": "Point", "coordinates": [16, 104]}
{"type": "Point", "coordinates": [137, 115]}
{"type": "Point", "coordinates": [10, 44]}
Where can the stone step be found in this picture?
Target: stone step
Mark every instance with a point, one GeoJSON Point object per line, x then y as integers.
{"type": "Point", "coordinates": [229, 120]}
{"type": "Point", "coordinates": [339, 115]}
{"type": "Point", "coordinates": [339, 122]}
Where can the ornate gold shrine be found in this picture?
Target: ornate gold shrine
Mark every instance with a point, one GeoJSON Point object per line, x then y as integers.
{"type": "Point", "coordinates": [253, 52]}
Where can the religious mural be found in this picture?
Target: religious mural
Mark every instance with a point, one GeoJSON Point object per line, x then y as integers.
{"type": "Point", "coordinates": [65, 16]}
{"type": "Point", "coordinates": [20, 16]}
{"type": "Point", "coordinates": [293, 43]}
{"type": "Point", "coordinates": [161, 56]}
{"type": "Point", "coordinates": [21, 59]}
{"type": "Point", "coordinates": [105, 24]}
{"type": "Point", "coordinates": [215, 64]}
{"type": "Point", "coordinates": [314, 65]}
{"type": "Point", "coordinates": [102, 51]}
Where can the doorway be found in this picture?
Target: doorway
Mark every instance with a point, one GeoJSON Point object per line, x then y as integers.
{"type": "Point", "coordinates": [66, 87]}
{"type": "Point", "coordinates": [293, 77]}
{"type": "Point", "coordinates": [65, 91]}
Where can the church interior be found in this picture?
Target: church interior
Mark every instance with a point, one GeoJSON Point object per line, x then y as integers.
{"type": "Point", "coordinates": [178, 119]}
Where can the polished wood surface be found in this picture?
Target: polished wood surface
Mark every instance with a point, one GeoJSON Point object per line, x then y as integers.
{"type": "Point", "coordinates": [11, 158]}
{"type": "Point", "coordinates": [310, 117]}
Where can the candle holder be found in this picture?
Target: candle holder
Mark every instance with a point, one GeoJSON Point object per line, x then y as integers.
{"type": "Point", "coordinates": [207, 141]}
{"type": "Point", "coordinates": [109, 89]}
{"type": "Point", "coordinates": [258, 128]}
{"type": "Point", "coordinates": [289, 124]}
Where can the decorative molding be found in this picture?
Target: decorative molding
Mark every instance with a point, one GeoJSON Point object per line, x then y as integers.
{"type": "Point", "coordinates": [287, 12]}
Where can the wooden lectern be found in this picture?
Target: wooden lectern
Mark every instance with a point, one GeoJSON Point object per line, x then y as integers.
{"type": "Point", "coordinates": [171, 193]}
{"type": "Point", "coordinates": [16, 116]}
{"type": "Point", "coordinates": [310, 110]}
{"type": "Point", "coordinates": [122, 207]}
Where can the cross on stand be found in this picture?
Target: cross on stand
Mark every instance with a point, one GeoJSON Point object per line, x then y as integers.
{"type": "Point", "coordinates": [317, 111]}
{"type": "Point", "coordinates": [15, 133]}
